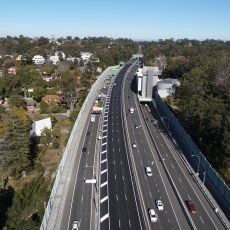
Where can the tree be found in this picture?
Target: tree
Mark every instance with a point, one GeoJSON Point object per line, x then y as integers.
{"type": "Point", "coordinates": [44, 107]}
{"type": "Point", "coordinates": [43, 41]}
{"type": "Point", "coordinates": [46, 136]}
{"type": "Point", "coordinates": [38, 93]}
{"type": "Point", "coordinates": [18, 156]}
{"type": "Point", "coordinates": [17, 100]}
{"type": "Point", "coordinates": [69, 91]}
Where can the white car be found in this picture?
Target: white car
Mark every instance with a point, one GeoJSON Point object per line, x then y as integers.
{"type": "Point", "coordinates": [160, 205]}
{"type": "Point", "coordinates": [134, 145]}
{"type": "Point", "coordinates": [148, 171]}
{"type": "Point", "coordinates": [152, 215]}
{"type": "Point", "coordinates": [75, 225]}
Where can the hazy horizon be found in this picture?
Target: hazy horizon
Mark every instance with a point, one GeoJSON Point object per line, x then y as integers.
{"type": "Point", "coordinates": [140, 21]}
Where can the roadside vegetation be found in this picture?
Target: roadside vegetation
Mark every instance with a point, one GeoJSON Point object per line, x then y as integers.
{"type": "Point", "coordinates": [202, 102]}
{"type": "Point", "coordinates": [28, 164]}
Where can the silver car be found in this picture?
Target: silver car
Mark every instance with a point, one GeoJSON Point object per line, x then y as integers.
{"type": "Point", "coordinates": [152, 215]}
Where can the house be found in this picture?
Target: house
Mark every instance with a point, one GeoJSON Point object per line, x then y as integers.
{"type": "Point", "coordinates": [38, 60]}
{"type": "Point", "coordinates": [12, 70]}
{"type": "Point", "coordinates": [94, 59]}
{"type": "Point", "coordinates": [49, 98]}
{"type": "Point", "coordinates": [99, 69]}
{"type": "Point", "coordinates": [85, 56]}
{"type": "Point", "coordinates": [19, 58]}
{"type": "Point", "coordinates": [73, 59]}
{"type": "Point", "coordinates": [30, 105]}
{"type": "Point", "coordinates": [60, 54]}
{"type": "Point", "coordinates": [54, 59]}
{"type": "Point", "coordinates": [39, 126]}
{"type": "Point", "coordinates": [47, 77]}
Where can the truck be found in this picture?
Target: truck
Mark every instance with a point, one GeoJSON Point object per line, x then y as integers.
{"type": "Point", "coordinates": [92, 117]}
{"type": "Point", "coordinates": [131, 110]}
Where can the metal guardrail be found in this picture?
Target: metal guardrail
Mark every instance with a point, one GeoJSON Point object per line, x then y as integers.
{"type": "Point", "coordinates": [58, 192]}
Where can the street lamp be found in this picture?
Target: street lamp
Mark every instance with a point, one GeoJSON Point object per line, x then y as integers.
{"type": "Point", "coordinates": [198, 165]}
{"type": "Point", "coordinates": [204, 174]}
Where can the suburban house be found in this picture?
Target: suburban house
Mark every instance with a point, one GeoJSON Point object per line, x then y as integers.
{"type": "Point", "coordinates": [85, 56]}
{"type": "Point", "coordinates": [30, 105]}
{"type": "Point", "coordinates": [60, 54]}
{"type": "Point", "coordinates": [73, 59]}
{"type": "Point", "coordinates": [39, 126]}
{"type": "Point", "coordinates": [50, 98]}
{"type": "Point", "coordinates": [54, 59]}
{"type": "Point", "coordinates": [38, 60]}
{"type": "Point", "coordinates": [49, 77]}
{"type": "Point", "coordinates": [12, 70]}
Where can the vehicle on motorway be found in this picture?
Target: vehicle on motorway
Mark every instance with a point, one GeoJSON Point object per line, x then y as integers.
{"type": "Point", "coordinates": [131, 110]}
{"type": "Point", "coordinates": [92, 117]}
{"type": "Point", "coordinates": [191, 206]}
{"type": "Point", "coordinates": [160, 205]}
{"type": "Point", "coordinates": [99, 137]}
{"type": "Point", "coordinates": [75, 225]}
{"type": "Point", "coordinates": [114, 84]}
{"type": "Point", "coordinates": [137, 126]}
{"type": "Point", "coordinates": [88, 134]}
{"type": "Point", "coordinates": [134, 145]}
{"type": "Point", "coordinates": [84, 149]}
{"type": "Point", "coordinates": [152, 215]}
{"type": "Point", "coordinates": [148, 171]}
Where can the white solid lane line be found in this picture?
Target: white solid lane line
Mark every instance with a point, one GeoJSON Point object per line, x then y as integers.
{"type": "Point", "coordinates": [201, 220]}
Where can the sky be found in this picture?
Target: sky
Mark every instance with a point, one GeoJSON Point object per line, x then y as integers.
{"type": "Point", "coordinates": [138, 20]}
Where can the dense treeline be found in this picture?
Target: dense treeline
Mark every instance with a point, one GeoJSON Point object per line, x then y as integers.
{"type": "Point", "coordinates": [202, 102]}
{"type": "Point", "coordinates": [108, 50]}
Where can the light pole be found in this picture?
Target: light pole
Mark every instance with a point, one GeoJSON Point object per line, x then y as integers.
{"type": "Point", "coordinates": [204, 174]}
{"type": "Point", "coordinates": [198, 165]}
{"type": "Point", "coordinates": [167, 120]}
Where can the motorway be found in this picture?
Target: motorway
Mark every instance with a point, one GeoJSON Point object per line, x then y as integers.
{"type": "Point", "coordinates": [124, 211]}
{"type": "Point", "coordinates": [82, 199]}
{"type": "Point", "coordinates": [157, 186]}
{"type": "Point", "coordinates": [171, 181]}
{"type": "Point", "coordinates": [125, 193]}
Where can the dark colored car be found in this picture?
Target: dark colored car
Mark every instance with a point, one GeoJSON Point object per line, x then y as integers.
{"type": "Point", "coordinates": [84, 149]}
{"type": "Point", "coordinates": [88, 134]}
{"type": "Point", "coordinates": [191, 206]}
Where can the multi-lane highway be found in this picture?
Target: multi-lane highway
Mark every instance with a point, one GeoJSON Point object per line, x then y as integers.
{"type": "Point", "coordinates": [156, 186]}
{"type": "Point", "coordinates": [124, 211]}
{"type": "Point", "coordinates": [83, 197]}
{"type": "Point", "coordinates": [171, 182]}
{"type": "Point", "coordinates": [124, 192]}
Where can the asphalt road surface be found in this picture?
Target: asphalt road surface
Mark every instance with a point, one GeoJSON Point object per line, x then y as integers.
{"type": "Point", "coordinates": [124, 209]}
